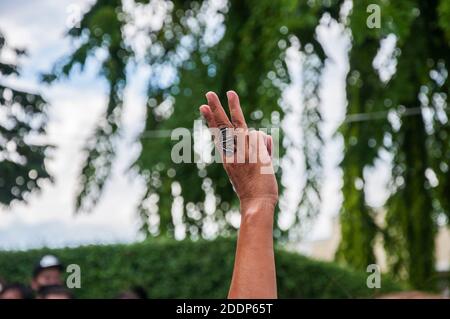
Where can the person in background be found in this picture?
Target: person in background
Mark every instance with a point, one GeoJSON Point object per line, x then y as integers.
{"type": "Point", "coordinates": [136, 292]}
{"type": "Point", "coordinates": [47, 272]}
{"type": "Point", "coordinates": [2, 284]}
{"type": "Point", "coordinates": [15, 291]}
{"type": "Point", "coordinates": [54, 292]}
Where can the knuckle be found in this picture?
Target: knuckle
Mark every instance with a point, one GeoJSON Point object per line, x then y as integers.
{"type": "Point", "coordinates": [222, 124]}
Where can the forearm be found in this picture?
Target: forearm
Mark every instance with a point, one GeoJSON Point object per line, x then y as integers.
{"type": "Point", "coordinates": [254, 269]}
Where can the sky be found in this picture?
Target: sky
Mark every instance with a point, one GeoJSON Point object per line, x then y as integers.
{"type": "Point", "coordinates": [48, 219]}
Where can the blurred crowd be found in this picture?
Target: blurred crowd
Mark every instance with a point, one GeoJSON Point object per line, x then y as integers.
{"type": "Point", "coordinates": [47, 283]}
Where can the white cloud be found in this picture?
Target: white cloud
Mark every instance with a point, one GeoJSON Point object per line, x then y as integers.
{"type": "Point", "coordinates": [75, 106]}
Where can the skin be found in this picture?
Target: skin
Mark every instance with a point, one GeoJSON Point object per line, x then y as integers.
{"type": "Point", "coordinates": [57, 296]}
{"type": "Point", "coordinates": [47, 277]}
{"type": "Point", "coordinates": [11, 294]}
{"type": "Point", "coordinates": [254, 269]}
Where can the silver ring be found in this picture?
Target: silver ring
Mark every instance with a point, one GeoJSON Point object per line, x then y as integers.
{"type": "Point", "coordinates": [227, 140]}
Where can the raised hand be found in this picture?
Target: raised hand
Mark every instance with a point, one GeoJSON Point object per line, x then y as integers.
{"type": "Point", "coordinates": [248, 164]}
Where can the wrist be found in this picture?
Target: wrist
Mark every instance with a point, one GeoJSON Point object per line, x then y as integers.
{"type": "Point", "coordinates": [257, 210]}
{"type": "Point", "coordinates": [258, 203]}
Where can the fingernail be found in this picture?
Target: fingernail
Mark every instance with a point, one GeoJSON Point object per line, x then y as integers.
{"type": "Point", "coordinates": [208, 94]}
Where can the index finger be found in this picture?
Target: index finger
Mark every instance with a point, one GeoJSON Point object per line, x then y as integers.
{"type": "Point", "coordinates": [220, 117]}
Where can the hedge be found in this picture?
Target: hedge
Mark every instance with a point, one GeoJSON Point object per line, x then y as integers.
{"type": "Point", "coordinates": [187, 269]}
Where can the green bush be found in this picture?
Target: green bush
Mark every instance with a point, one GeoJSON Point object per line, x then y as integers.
{"type": "Point", "coordinates": [186, 269]}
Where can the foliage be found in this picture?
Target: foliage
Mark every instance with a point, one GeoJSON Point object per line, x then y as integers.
{"type": "Point", "coordinates": [245, 52]}
{"type": "Point", "coordinates": [22, 120]}
{"type": "Point", "coordinates": [418, 144]}
{"type": "Point", "coordinates": [170, 269]}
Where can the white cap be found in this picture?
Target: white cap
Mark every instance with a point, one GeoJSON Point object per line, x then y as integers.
{"type": "Point", "coordinates": [49, 261]}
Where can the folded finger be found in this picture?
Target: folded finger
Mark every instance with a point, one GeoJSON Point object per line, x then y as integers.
{"type": "Point", "coordinates": [208, 115]}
